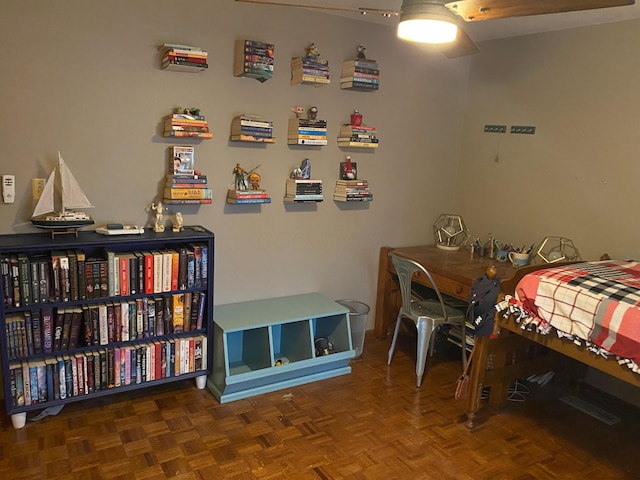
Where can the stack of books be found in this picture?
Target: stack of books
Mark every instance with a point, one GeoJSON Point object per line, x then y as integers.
{"type": "Point", "coordinates": [254, 60]}
{"type": "Point", "coordinates": [303, 190]}
{"type": "Point", "coordinates": [252, 128]}
{"type": "Point", "coordinates": [303, 131]}
{"type": "Point", "coordinates": [352, 191]}
{"type": "Point", "coordinates": [247, 196]}
{"type": "Point", "coordinates": [185, 185]}
{"type": "Point", "coordinates": [358, 136]}
{"type": "Point", "coordinates": [360, 74]}
{"type": "Point", "coordinates": [309, 71]}
{"type": "Point", "coordinates": [184, 58]}
{"type": "Point", "coordinates": [184, 125]}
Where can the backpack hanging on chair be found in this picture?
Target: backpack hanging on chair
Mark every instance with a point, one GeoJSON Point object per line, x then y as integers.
{"type": "Point", "coordinates": [482, 302]}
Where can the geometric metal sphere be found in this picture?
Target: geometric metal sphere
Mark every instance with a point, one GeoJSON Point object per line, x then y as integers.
{"type": "Point", "coordinates": [557, 249]}
{"type": "Point", "coordinates": [450, 232]}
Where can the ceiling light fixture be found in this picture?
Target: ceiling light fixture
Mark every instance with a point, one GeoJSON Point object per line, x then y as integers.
{"type": "Point", "coordinates": [427, 21]}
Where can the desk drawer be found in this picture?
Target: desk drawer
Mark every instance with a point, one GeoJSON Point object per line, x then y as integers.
{"type": "Point", "coordinates": [447, 286]}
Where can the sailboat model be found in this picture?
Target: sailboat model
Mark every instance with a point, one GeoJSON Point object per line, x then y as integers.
{"type": "Point", "coordinates": [45, 214]}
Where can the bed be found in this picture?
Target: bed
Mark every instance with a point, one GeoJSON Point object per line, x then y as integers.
{"type": "Point", "coordinates": [588, 311]}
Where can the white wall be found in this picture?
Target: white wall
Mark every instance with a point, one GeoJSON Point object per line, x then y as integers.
{"type": "Point", "coordinates": [578, 175]}
{"type": "Point", "coordinates": [83, 77]}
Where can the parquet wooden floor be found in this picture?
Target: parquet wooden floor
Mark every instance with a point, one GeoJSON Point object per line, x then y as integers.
{"type": "Point", "coordinates": [371, 424]}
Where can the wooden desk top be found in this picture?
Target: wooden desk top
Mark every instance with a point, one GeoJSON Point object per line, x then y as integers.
{"type": "Point", "coordinates": [452, 271]}
{"type": "Point", "coordinates": [455, 265]}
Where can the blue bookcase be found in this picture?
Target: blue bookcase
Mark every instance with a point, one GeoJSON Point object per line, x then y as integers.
{"type": "Point", "coordinates": [265, 345]}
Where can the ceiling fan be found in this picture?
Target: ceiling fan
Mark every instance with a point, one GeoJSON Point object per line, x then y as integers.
{"type": "Point", "coordinates": [452, 12]}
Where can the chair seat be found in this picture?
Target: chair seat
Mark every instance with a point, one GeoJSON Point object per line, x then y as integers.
{"type": "Point", "coordinates": [433, 309]}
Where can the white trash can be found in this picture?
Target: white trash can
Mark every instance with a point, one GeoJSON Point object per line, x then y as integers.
{"type": "Point", "coordinates": [358, 315]}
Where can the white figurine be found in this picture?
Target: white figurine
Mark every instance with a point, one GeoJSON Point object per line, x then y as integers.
{"type": "Point", "coordinates": [178, 223]}
{"type": "Point", "coordinates": [159, 224]}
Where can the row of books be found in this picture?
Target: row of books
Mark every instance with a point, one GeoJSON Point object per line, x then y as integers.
{"type": "Point", "coordinates": [72, 375]}
{"type": "Point", "coordinates": [69, 275]}
{"type": "Point", "coordinates": [183, 57]}
{"type": "Point", "coordinates": [352, 191]}
{"type": "Point", "coordinates": [186, 126]}
{"type": "Point", "coordinates": [53, 330]}
{"type": "Point", "coordinates": [301, 190]}
{"type": "Point", "coordinates": [247, 196]}
{"type": "Point", "coordinates": [252, 128]}
{"type": "Point", "coordinates": [358, 136]}
{"type": "Point", "coordinates": [305, 132]}
{"type": "Point", "coordinates": [254, 59]}
{"type": "Point", "coordinates": [309, 70]}
{"type": "Point", "coordinates": [360, 74]}
{"type": "Point", "coordinates": [184, 182]}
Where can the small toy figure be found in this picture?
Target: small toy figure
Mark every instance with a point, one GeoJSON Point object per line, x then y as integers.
{"type": "Point", "coordinates": [298, 110]}
{"type": "Point", "coordinates": [312, 114]}
{"type": "Point", "coordinates": [356, 118]}
{"type": "Point", "coordinates": [361, 51]}
{"type": "Point", "coordinates": [254, 180]}
{"type": "Point", "coordinates": [158, 226]}
{"type": "Point", "coordinates": [312, 51]}
{"type": "Point", "coordinates": [239, 173]}
{"type": "Point", "coordinates": [349, 171]}
{"type": "Point", "coordinates": [178, 225]}
{"type": "Point", "coordinates": [303, 171]}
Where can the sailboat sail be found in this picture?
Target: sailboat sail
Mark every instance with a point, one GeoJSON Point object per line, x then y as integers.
{"type": "Point", "coordinates": [71, 197]}
{"type": "Point", "coordinates": [45, 203]}
{"type": "Point", "coordinates": [72, 194]}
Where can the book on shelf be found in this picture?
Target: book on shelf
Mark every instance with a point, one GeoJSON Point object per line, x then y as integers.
{"type": "Point", "coordinates": [346, 142]}
{"type": "Point", "coordinates": [186, 179]}
{"type": "Point", "coordinates": [232, 193]}
{"type": "Point", "coordinates": [177, 66]}
{"type": "Point", "coordinates": [356, 183]}
{"type": "Point", "coordinates": [354, 79]}
{"type": "Point", "coordinates": [306, 141]}
{"type": "Point", "coordinates": [357, 85]}
{"type": "Point", "coordinates": [184, 57]}
{"type": "Point", "coordinates": [246, 120]}
{"type": "Point", "coordinates": [298, 77]}
{"type": "Point", "coordinates": [353, 70]}
{"type": "Point", "coordinates": [303, 198]}
{"type": "Point", "coordinates": [253, 59]}
{"type": "Point", "coordinates": [252, 138]}
{"type": "Point", "coordinates": [186, 116]}
{"type": "Point", "coordinates": [316, 62]}
{"type": "Point", "coordinates": [347, 129]}
{"type": "Point", "coordinates": [170, 126]}
{"type": "Point", "coordinates": [360, 63]}
{"type": "Point", "coordinates": [188, 193]}
{"type": "Point", "coordinates": [246, 200]}
{"type": "Point", "coordinates": [187, 201]}
{"type": "Point", "coordinates": [182, 134]}
{"type": "Point", "coordinates": [363, 198]}
{"type": "Point", "coordinates": [165, 47]}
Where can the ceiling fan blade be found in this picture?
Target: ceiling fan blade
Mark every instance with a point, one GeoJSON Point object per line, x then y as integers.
{"type": "Point", "coordinates": [475, 10]}
{"type": "Point", "coordinates": [364, 11]}
{"type": "Point", "coordinates": [462, 46]}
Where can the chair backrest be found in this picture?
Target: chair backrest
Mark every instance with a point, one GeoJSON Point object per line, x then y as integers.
{"type": "Point", "coordinates": [405, 269]}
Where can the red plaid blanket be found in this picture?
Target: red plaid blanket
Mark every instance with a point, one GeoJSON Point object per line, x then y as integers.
{"type": "Point", "coordinates": [596, 301]}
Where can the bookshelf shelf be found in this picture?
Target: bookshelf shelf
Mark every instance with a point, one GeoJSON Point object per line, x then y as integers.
{"type": "Point", "coordinates": [104, 315]}
{"type": "Point", "coordinates": [267, 345]}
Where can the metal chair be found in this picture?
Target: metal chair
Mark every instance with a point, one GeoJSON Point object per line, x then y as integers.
{"type": "Point", "coordinates": [428, 315]}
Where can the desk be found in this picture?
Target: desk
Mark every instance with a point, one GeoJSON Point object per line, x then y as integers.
{"type": "Point", "coordinates": [453, 272]}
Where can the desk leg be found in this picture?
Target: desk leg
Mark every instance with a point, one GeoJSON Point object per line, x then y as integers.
{"type": "Point", "coordinates": [387, 305]}
{"type": "Point", "coordinates": [476, 379]}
